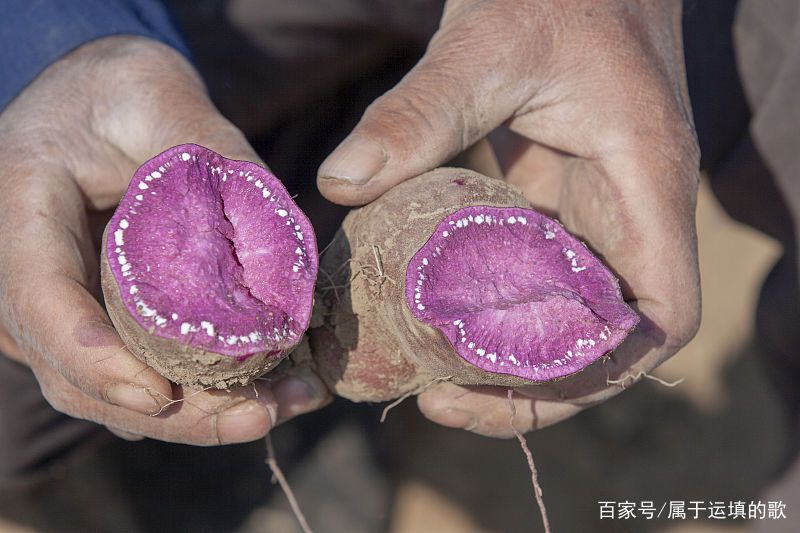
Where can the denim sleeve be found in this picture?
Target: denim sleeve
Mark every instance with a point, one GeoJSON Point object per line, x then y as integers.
{"type": "Point", "coordinates": [35, 33]}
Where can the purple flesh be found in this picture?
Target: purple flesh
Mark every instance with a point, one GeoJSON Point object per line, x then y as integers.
{"type": "Point", "coordinates": [514, 293]}
{"type": "Point", "coordinates": [213, 253]}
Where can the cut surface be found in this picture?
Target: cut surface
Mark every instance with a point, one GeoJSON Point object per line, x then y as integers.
{"type": "Point", "coordinates": [514, 293]}
{"type": "Point", "coordinates": [213, 253]}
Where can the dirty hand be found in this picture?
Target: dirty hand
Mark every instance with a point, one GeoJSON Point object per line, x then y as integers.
{"type": "Point", "coordinates": [594, 93]}
{"type": "Point", "coordinates": [69, 144]}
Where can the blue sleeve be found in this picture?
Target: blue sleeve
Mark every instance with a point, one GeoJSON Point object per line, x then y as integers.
{"type": "Point", "coordinates": [35, 33]}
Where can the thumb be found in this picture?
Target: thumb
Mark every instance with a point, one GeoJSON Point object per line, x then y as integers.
{"type": "Point", "coordinates": [451, 98]}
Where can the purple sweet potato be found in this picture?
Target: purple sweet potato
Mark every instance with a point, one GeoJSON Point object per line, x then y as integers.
{"type": "Point", "coordinates": [208, 268]}
{"type": "Point", "coordinates": [454, 275]}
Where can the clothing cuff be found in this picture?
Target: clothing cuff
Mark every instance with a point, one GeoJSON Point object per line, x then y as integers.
{"type": "Point", "coordinates": [36, 33]}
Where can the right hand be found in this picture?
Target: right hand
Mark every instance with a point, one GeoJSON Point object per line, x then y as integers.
{"type": "Point", "coordinates": [595, 94]}
{"type": "Point", "coordinates": [69, 144]}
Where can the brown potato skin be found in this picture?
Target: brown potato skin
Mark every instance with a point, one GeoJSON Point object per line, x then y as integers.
{"type": "Point", "coordinates": [371, 348]}
{"type": "Point", "coordinates": [175, 361]}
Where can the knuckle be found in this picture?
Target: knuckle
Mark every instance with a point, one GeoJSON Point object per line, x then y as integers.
{"type": "Point", "coordinates": [686, 329]}
{"type": "Point", "coordinates": [15, 301]}
{"type": "Point", "coordinates": [498, 427]}
{"type": "Point", "coordinates": [61, 395]}
{"type": "Point", "coordinates": [58, 399]}
{"type": "Point", "coordinates": [420, 107]}
{"type": "Point", "coordinates": [678, 144]}
{"type": "Point", "coordinates": [214, 129]}
{"type": "Point", "coordinates": [402, 107]}
{"type": "Point", "coordinates": [684, 326]}
{"type": "Point", "coordinates": [672, 137]}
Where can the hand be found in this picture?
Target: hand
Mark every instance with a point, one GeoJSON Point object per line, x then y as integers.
{"type": "Point", "coordinates": [594, 93]}
{"type": "Point", "coordinates": [69, 144]}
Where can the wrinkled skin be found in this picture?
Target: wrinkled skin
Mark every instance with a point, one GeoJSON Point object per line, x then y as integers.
{"type": "Point", "coordinates": [599, 135]}
{"type": "Point", "coordinates": [593, 91]}
{"type": "Point", "coordinates": [69, 145]}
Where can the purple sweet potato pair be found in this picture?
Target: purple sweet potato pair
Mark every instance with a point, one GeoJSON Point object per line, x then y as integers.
{"type": "Point", "coordinates": [209, 272]}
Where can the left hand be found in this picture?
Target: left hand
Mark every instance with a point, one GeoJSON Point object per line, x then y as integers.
{"type": "Point", "coordinates": [69, 143]}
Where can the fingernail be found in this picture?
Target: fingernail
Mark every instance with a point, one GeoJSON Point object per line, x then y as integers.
{"type": "Point", "coordinates": [245, 421]}
{"type": "Point", "coordinates": [455, 418]}
{"type": "Point", "coordinates": [132, 397]}
{"type": "Point", "coordinates": [356, 160]}
{"type": "Point", "coordinates": [296, 396]}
